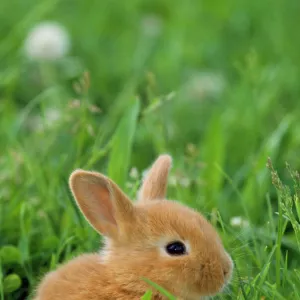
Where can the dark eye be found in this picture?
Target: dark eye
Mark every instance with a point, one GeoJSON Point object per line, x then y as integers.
{"type": "Point", "coordinates": [176, 248]}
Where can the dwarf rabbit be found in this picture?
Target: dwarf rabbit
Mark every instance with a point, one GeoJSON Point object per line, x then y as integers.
{"type": "Point", "coordinates": [162, 240]}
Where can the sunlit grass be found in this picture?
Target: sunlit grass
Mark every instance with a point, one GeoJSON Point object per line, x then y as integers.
{"type": "Point", "coordinates": [213, 84]}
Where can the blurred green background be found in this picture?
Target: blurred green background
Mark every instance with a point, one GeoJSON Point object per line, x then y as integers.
{"type": "Point", "coordinates": [214, 83]}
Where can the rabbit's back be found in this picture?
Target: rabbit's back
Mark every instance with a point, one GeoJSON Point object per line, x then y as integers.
{"type": "Point", "coordinates": [84, 277]}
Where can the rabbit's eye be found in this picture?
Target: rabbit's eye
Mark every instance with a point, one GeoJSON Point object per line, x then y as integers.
{"type": "Point", "coordinates": [176, 248]}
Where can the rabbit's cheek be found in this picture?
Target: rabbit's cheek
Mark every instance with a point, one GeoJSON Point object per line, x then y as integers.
{"type": "Point", "coordinates": [209, 278]}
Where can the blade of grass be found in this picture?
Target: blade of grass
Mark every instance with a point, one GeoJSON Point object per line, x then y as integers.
{"type": "Point", "coordinates": [160, 289]}
{"type": "Point", "coordinates": [122, 144]}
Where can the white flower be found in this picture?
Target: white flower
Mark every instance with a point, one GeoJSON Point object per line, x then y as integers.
{"type": "Point", "coordinates": [184, 182]}
{"type": "Point", "coordinates": [172, 181]}
{"type": "Point", "coordinates": [40, 123]}
{"type": "Point", "coordinates": [238, 222]}
{"type": "Point", "coordinates": [47, 41]}
{"type": "Point", "coordinates": [205, 84]}
{"type": "Point", "coordinates": [52, 115]}
{"type": "Point", "coordinates": [134, 173]}
{"type": "Point", "coordinates": [151, 25]}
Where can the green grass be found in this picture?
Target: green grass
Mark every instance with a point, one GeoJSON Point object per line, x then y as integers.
{"type": "Point", "coordinates": [144, 58]}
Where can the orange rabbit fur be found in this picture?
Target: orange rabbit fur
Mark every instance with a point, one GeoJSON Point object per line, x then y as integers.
{"type": "Point", "coordinates": [162, 240]}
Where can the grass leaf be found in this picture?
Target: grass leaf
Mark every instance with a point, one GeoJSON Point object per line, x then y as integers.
{"type": "Point", "coordinates": [119, 158]}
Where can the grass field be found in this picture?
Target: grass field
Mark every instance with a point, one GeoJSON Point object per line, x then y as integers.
{"type": "Point", "coordinates": [213, 83]}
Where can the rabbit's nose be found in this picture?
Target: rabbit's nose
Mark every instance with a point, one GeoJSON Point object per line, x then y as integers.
{"type": "Point", "coordinates": [225, 272]}
{"type": "Point", "coordinates": [227, 267]}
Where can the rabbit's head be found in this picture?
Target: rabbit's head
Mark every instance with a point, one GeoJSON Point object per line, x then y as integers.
{"type": "Point", "coordinates": [162, 240]}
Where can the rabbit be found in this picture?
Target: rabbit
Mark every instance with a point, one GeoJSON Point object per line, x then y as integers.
{"type": "Point", "coordinates": [154, 238]}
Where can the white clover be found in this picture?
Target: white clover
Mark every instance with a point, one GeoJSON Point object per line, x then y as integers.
{"type": "Point", "coordinates": [47, 41]}
{"type": "Point", "coordinates": [185, 182]}
{"type": "Point", "coordinates": [172, 180]}
{"type": "Point", "coordinates": [40, 123]}
{"type": "Point", "coordinates": [205, 84]}
{"type": "Point", "coordinates": [175, 180]}
{"type": "Point", "coordinates": [151, 25]}
{"type": "Point", "coordinates": [52, 115]}
{"type": "Point", "coordinates": [134, 173]}
{"type": "Point", "coordinates": [238, 221]}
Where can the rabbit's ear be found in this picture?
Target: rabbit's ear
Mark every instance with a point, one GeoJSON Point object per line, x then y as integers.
{"type": "Point", "coordinates": [101, 201]}
{"type": "Point", "coordinates": [154, 186]}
